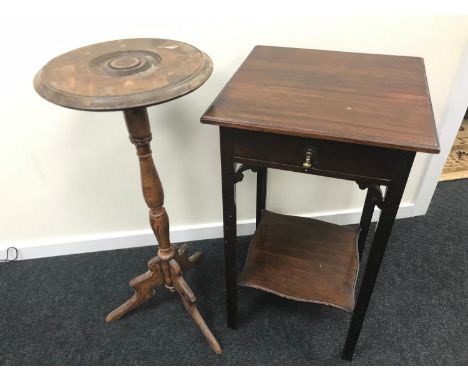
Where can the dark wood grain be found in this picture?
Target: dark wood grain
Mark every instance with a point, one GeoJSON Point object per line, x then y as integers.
{"type": "Point", "coordinates": [303, 259]}
{"type": "Point", "coordinates": [370, 99]}
{"type": "Point", "coordinates": [351, 116]}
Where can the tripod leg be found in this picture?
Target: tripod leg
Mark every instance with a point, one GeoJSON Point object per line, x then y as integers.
{"type": "Point", "coordinates": [184, 260]}
{"type": "Point", "coordinates": [189, 301]}
{"type": "Point", "coordinates": [144, 289]}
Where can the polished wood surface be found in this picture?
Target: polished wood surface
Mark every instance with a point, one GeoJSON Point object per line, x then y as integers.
{"type": "Point", "coordinates": [369, 99]}
{"type": "Point", "coordinates": [123, 74]}
{"type": "Point", "coordinates": [303, 259]}
{"type": "Point", "coordinates": [358, 117]}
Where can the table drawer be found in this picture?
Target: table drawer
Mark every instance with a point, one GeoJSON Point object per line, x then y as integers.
{"type": "Point", "coordinates": [328, 158]}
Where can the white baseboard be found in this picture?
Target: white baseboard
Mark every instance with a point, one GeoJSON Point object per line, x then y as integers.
{"type": "Point", "coordinates": [108, 241]}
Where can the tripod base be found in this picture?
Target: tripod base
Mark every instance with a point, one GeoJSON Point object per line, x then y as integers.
{"type": "Point", "coordinates": [167, 273]}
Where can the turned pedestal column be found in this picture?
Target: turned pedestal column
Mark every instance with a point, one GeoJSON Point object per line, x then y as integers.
{"type": "Point", "coordinates": [130, 75]}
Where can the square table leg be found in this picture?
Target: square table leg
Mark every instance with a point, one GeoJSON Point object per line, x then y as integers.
{"type": "Point", "coordinates": [261, 192]}
{"type": "Point", "coordinates": [373, 198]}
{"type": "Point", "coordinates": [229, 224]}
{"type": "Point", "coordinates": [390, 207]}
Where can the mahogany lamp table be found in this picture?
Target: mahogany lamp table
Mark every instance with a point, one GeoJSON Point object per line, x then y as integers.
{"type": "Point", "coordinates": [359, 117]}
{"type": "Point", "coordinates": [130, 75]}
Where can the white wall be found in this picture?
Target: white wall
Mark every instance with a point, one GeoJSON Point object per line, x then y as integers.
{"type": "Point", "coordinates": [69, 174]}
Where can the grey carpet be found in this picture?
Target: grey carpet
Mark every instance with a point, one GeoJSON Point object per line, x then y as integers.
{"type": "Point", "coordinates": [53, 309]}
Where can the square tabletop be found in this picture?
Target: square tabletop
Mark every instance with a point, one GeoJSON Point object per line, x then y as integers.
{"type": "Point", "coordinates": [371, 99]}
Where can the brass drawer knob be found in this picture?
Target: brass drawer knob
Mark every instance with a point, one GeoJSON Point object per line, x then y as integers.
{"type": "Point", "coordinates": [309, 153]}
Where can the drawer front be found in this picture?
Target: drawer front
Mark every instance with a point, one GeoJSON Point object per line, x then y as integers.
{"type": "Point", "coordinates": [328, 158]}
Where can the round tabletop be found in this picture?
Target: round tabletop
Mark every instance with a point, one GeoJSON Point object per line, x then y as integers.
{"type": "Point", "coordinates": [123, 74]}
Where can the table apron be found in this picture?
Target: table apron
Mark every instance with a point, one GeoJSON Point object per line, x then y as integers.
{"type": "Point", "coordinates": [328, 174]}
{"type": "Point", "coordinates": [326, 158]}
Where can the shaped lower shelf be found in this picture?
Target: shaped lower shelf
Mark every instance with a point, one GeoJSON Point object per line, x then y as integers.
{"type": "Point", "coordinates": [303, 259]}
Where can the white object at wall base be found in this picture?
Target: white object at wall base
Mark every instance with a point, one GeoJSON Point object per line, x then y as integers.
{"type": "Point", "coordinates": [108, 241]}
